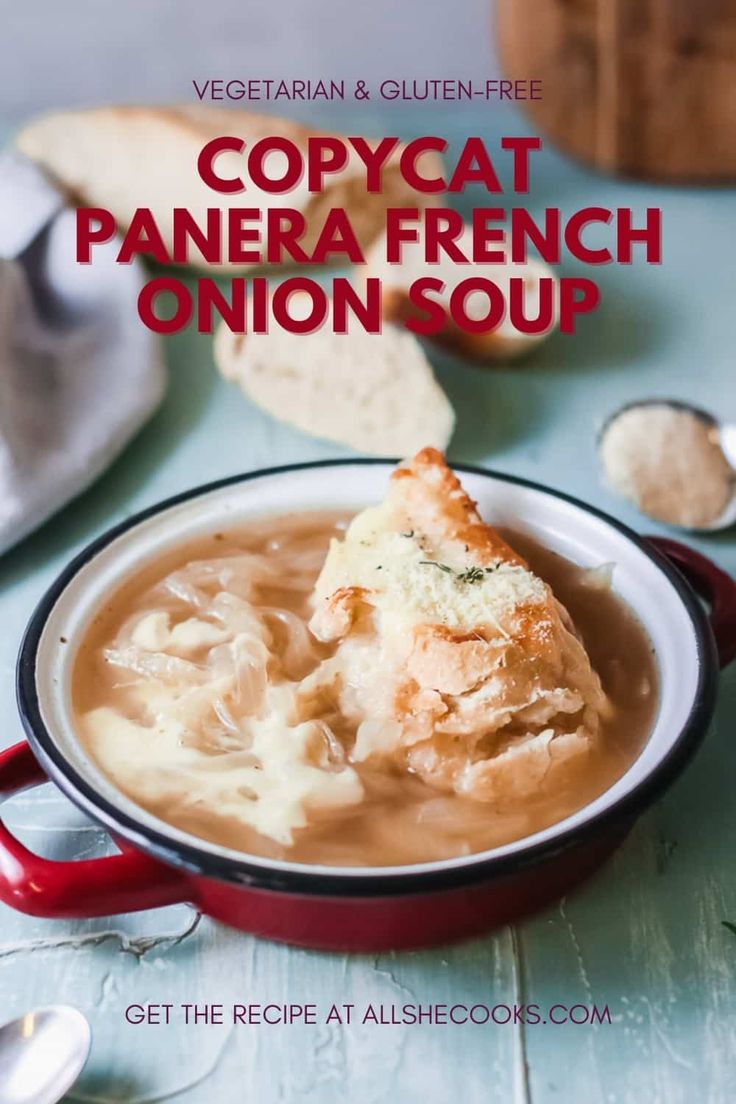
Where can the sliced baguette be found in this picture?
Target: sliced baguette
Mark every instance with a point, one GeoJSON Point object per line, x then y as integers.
{"type": "Point", "coordinates": [121, 158]}
{"type": "Point", "coordinates": [503, 343]}
{"type": "Point", "coordinates": [373, 392]}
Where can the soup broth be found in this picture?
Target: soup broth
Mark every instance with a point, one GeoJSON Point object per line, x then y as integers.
{"type": "Point", "coordinates": [400, 819]}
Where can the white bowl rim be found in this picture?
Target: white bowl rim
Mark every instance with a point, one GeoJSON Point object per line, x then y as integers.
{"type": "Point", "coordinates": [209, 860]}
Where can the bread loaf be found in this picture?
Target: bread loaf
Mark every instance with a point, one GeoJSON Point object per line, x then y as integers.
{"type": "Point", "coordinates": [373, 392]}
{"type": "Point", "coordinates": [122, 158]}
{"type": "Point", "coordinates": [503, 343]}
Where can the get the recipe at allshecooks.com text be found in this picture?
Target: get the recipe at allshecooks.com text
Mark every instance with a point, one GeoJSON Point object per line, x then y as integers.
{"type": "Point", "coordinates": [385, 1015]}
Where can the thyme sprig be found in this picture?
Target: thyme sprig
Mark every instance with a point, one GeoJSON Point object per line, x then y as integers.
{"type": "Point", "coordinates": [471, 574]}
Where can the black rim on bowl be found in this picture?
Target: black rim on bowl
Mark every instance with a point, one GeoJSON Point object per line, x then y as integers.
{"type": "Point", "coordinates": [222, 867]}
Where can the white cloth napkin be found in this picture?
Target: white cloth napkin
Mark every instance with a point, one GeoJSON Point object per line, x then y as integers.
{"type": "Point", "coordinates": [79, 373]}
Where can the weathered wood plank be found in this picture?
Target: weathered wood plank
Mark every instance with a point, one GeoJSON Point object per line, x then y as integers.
{"type": "Point", "coordinates": [645, 937]}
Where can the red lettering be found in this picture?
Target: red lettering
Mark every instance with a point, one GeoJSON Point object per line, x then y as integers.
{"type": "Point", "coordinates": [397, 233]}
{"type": "Point", "coordinates": [493, 317]}
{"type": "Point", "coordinates": [518, 295]}
{"type": "Point", "coordinates": [240, 235]}
{"type": "Point", "coordinates": [521, 148]}
{"type": "Point", "coordinates": [143, 238]}
{"type": "Point", "coordinates": [443, 228]}
{"type": "Point", "coordinates": [345, 296]}
{"type": "Point", "coordinates": [485, 235]}
{"type": "Point", "coordinates": [651, 235]}
{"type": "Point", "coordinates": [210, 299]}
{"type": "Point", "coordinates": [474, 166]}
{"type": "Point", "coordinates": [89, 234]}
{"type": "Point", "coordinates": [574, 228]}
{"type": "Point", "coordinates": [281, 300]}
{"type": "Point", "coordinates": [325, 155]}
{"type": "Point", "coordinates": [577, 296]}
{"type": "Point", "coordinates": [206, 166]}
{"type": "Point", "coordinates": [411, 154]}
{"type": "Point", "coordinates": [374, 159]}
{"type": "Point", "coordinates": [185, 229]}
{"type": "Point", "coordinates": [259, 154]}
{"type": "Point", "coordinates": [433, 317]}
{"type": "Point", "coordinates": [337, 237]}
{"type": "Point", "coordinates": [524, 229]}
{"type": "Point", "coordinates": [259, 304]}
{"type": "Point", "coordinates": [285, 229]}
{"type": "Point", "coordinates": [148, 297]}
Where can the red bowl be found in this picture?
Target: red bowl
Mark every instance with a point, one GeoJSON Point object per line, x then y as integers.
{"type": "Point", "coordinates": [334, 907]}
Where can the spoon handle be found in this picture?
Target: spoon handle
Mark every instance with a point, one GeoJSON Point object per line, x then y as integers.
{"type": "Point", "coordinates": [127, 882]}
{"type": "Point", "coordinates": [711, 584]}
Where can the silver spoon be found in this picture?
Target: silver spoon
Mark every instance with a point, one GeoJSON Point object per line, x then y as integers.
{"type": "Point", "coordinates": [42, 1054]}
{"type": "Point", "coordinates": [723, 436]}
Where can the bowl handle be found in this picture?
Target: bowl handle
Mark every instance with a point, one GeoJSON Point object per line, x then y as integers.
{"type": "Point", "coordinates": [92, 887]}
{"type": "Point", "coordinates": [713, 585]}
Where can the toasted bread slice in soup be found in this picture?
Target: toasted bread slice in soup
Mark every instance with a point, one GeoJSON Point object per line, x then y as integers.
{"type": "Point", "coordinates": [453, 659]}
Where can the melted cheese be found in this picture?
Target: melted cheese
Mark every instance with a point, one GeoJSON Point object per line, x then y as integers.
{"type": "Point", "coordinates": [266, 770]}
{"type": "Point", "coordinates": [411, 581]}
{"type": "Point", "coordinates": [272, 786]}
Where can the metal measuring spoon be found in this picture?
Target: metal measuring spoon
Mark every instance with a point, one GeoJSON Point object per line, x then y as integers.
{"type": "Point", "coordinates": [42, 1054]}
{"type": "Point", "coordinates": [648, 469]}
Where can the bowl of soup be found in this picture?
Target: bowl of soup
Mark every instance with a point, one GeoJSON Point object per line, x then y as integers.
{"type": "Point", "coordinates": [343, 706]}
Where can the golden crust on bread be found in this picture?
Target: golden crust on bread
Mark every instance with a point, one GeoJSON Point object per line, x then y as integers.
{"type": "Point", "coordinates": [435, 499]}
{"type": "Point", "coordinates": [450, 644]}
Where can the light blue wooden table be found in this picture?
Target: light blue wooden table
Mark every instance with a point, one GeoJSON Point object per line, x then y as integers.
{"type": "Point", "coordinates": [644, 936]}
